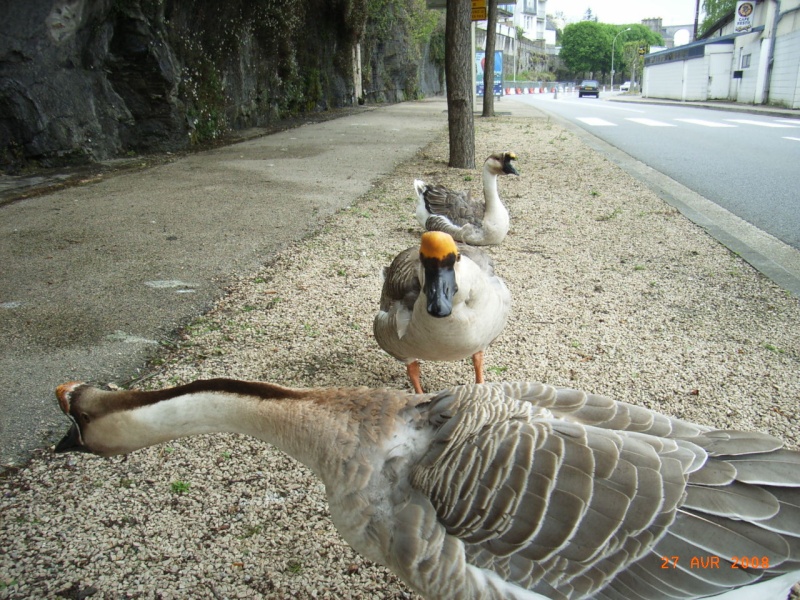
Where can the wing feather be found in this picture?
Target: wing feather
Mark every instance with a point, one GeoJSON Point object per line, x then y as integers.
{"type": "Point", "coordinates": [591, 493]}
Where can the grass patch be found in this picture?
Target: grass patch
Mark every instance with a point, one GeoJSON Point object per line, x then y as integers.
{"type": "Point", "coordinates": [180, 487]}
{"type": "Point", "coordinates": [294, 566]}
{"type": "Point", "coordinates": [774, 349]}
{"type": "Point", "coordinates": [612, 215]}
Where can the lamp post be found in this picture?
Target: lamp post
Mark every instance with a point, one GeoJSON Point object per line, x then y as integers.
{"type": "Point", "coordinates": [613, 44]}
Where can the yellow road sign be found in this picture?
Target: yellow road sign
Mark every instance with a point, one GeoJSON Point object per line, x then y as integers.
{"type": "Point", "coordinates": [479, 10]}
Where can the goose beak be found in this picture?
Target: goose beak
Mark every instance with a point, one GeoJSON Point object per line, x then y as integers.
{"type": "Point", "coordinates": [440, 287]}
{"type": "Point", "coordinates": [438, 254]}
{"type": "Point", "coordinates": [508, 168]}
{"type": "Point", "coordinates": [72, 442]}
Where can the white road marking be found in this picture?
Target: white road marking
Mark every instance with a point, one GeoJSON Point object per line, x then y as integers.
{"type": "Point", "coordinates": [794, 139]}
{"type": "Point", "coordinates": [595, 122]}
{"type": "Point", "coordinates": [763, 123]}
{"type": "Point", "coordinates": [705, 123]}
{"type": "Point", "coordinates": [650, 122]}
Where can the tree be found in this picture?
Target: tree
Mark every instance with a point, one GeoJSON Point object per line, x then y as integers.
{"type": "Point", "coordinates": [584, 46]}
{"type": "Point", "coordinates": [488, 69]}
{"type": "Point", "coordinates": [458, 75]}
{"type": "Point", "coordinates": [715, 10]}
{"type": "Point", "coordinates": [639, 36]}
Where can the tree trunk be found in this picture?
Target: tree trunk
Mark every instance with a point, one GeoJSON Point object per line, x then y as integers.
{"type": "Point", "coordinates": [458, 75]}
{"type": "Point", "coordinates": [488, 68]}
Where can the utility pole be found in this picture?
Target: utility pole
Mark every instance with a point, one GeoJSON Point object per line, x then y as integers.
{"type": "Point", "coordinates": [613, 45]}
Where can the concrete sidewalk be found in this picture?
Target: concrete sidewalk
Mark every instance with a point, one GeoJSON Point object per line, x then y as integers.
{"type": "Point", "coordinates": [95, 277]}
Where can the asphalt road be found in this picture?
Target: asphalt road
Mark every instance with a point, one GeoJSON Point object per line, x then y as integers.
{"type": "Point", "coordinates": [745, 163]}
{"type": "Point", "coordinates": [95, 277]}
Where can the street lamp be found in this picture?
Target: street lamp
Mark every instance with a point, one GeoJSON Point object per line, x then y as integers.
{"type": "Point", "coordinates": [613, 44]}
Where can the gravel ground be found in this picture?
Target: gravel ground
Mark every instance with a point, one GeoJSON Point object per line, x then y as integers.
{"type": "Point", "coordinates": [614, 292]}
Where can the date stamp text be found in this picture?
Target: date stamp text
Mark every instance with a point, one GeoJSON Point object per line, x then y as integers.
{"type": "Point", "coordinates": [714, 562]}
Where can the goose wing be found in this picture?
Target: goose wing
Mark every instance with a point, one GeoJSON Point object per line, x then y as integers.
{"type": "Point", "coordinates": [573, 495]}
{"type": "Point", "coordinates": [450, 208]}
{"type": "Point", "coordinates": [401, 280]}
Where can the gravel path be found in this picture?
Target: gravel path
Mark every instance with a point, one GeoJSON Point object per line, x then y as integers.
{"type": "Point", "coordinates": [614, 291]}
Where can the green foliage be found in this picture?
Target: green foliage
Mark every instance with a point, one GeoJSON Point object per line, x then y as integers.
{"type": "Point", "coordinates": [714, 11]}
{"type": "Point", "coordinates": [406, 26]}
{"type": "Point", "coordinates": [179, 487]}
{"type": "Point", "coordinates": [584, 46]}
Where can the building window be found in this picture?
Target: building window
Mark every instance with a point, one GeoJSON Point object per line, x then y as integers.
{"type": "Point", "coordinates": [746, 61]}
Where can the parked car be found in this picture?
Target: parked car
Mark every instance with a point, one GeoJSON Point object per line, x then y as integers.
{"type": "Point", "coordinates": [625, 87]}
{"type": "Point", "coordinates": [589, 87]}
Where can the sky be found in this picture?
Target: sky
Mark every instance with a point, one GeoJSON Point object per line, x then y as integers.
{"type": "Point", "coordinates": [624, 12]}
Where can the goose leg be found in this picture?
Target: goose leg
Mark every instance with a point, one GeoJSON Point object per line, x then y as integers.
{"type": "Point", "coordinates": [413, 374]}
{"type": "Point", "coordinates": [477, 363]}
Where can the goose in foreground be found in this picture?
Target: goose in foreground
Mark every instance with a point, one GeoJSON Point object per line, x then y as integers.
{"type": "Point", "coordinates": [440, 301]}
{"type": "Point", "coordinates": [468, 220]}
{"type": "Point", "coordinates": [503, 490]}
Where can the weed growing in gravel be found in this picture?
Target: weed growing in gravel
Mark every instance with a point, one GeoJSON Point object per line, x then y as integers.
{"type": "Point", "coordinates": [467, 177]}
{"type": "Point", "coordinates": [497, 370]}
{"type": "Point", "coordinates": [774, 349]}
{"type": "Point", "coordinates": [125, 483]}
{"type": "Point", "coordinates": [612, 215]}
{"type": "Point", "coordinates": [294, 566]}
{"type": "Point", "coordinates": [250, 531]}
{"type": "Point", "coordinates": [179, 487]}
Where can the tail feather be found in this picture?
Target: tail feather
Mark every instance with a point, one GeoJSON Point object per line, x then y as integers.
{"type": "Point", "coordinates": [420, 187]}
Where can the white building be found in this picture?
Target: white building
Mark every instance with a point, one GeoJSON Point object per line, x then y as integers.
{"type": "Point", "coordinates": [754, 64]}
{"type": "Point", "coordinates": [530, 16]}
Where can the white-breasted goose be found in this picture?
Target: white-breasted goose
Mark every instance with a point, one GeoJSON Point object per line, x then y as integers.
{"type": "Point", "coordinates": [440, 301]}
{"type": "Point", "coordinates": [475, 222]}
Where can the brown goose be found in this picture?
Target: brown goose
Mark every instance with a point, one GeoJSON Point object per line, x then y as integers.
{"type": "Point", "coordinates": [468, 220]}
{"type": "Point", "coordinates": [440, 301]}
{"type": "Point", "coordinates": [496, 491]}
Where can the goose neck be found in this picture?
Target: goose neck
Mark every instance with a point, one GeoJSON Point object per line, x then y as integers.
{"type": "Point", "coordinates": [490, 195]}
{"type": "Point", "coordinates": [289, 419]}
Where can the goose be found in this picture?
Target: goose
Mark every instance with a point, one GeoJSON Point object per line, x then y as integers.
{"type": "Point", "coordinates": [503, 490]}
{"type": "Point", "coordinates": [478, 223]}
{"type": "Point", "coordinates": [440, 301]}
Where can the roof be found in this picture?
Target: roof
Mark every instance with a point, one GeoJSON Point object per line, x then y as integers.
{"type": "Point", "coordinates": [694, 49]}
